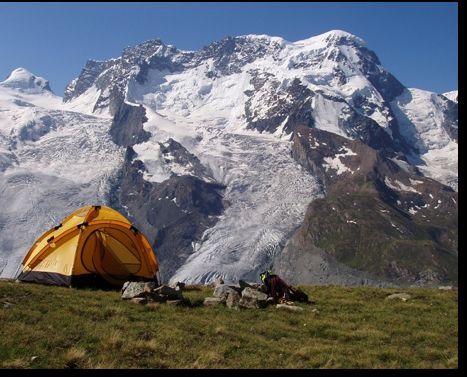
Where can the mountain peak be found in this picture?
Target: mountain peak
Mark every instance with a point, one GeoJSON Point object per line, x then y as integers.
{"type": "Point", "coordinates": [22, 79]}
{"type": "Point", "coordinates": [335, 37]}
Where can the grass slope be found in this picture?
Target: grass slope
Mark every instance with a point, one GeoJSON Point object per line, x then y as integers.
{"type": "Point", "coordinates": [350, 328]}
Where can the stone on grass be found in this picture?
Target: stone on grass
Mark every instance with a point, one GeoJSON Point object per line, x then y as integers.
{"type": "Point", "coordinates": [243, 284]}
{"type": "Point", "coordinates": [252, 298]}
{"type": "Point", "coordinates": [399, 296]}
{"type": "Point", "coordinates": [290, 308]}
{"type": "Point", "coordinates": [132, 289]}
{"type": "Point", "coordinates": [212, 301]}
{"type": "Point", "coordinates": [232, 300]}
{"type": "Point", "coordinates": [222, 291]}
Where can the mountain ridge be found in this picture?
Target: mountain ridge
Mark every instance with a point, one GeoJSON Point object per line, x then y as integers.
{"type": "Point", "coordinates": [221, 123]}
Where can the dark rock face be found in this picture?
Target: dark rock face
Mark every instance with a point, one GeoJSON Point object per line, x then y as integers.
{"type": "Point", "coordinates": [383, 81]}
{"type": "Point", "coordinates": [376, 223]}
{"type": "Point", "coordinates": [86, 79]}
{"type": "Point", "coordinates": [112, 76]}
{"type": "Point", "coordinates": [173, 213]}
{"type": "Point", "coordinates": [296, 108]}
{"type": "Point", "coordinates": [232, 53]}
{"type": "Point", "coordinates": [127, 125]}
{"type": "Point", "coordinates": [451, 118]}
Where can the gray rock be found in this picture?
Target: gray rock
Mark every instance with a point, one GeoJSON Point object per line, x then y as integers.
{"type": "Point", "coordinates": [222, 291]}
{"type": "Point", "coordinates": [446, 287]}
{"type": "Point", "coordinates": [290, 308]}
{"type": "Point", "coordinates": [212, 301]}
{"type": "Point", "coordinates": [218, 282]}
{"type": "Point", "coordinates": [252, 298]}
{"type": "Point", "coordinates": [132, 289]}
{"type": "Point", "coordinates": [8, 305]}
{"type": "Point", "coordinates": [233, 298]}
{"type": "Point", "coordinates": [243, 284]}
{"type": "Point", "coordinates": [399, 296]}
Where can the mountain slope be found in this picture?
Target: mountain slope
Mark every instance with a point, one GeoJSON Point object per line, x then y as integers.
{"type": "Point", "coordinates": [207, 162]}
{"type": "Point", "coordinates": [45, 155]}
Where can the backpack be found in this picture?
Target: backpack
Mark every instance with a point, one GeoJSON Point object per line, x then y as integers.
{"type": "Point", "coordinates": [296, 294]}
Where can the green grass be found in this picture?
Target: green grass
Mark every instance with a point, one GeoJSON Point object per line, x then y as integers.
{"type": "Point", "coordinates": [344, 328]}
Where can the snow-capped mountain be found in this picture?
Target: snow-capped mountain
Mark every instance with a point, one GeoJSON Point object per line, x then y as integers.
{"type": "Point", "coordinates": [23, 80]}
{"type": "Point", "coordinates": [203, 150]}
{"type": "Point", "coordinates": [48, 160]}
{"type": "Point", "coordinates": [452, 95]}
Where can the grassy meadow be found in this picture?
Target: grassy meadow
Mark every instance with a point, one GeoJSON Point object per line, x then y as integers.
{"type": "Point", "coordinates": [55, 327]}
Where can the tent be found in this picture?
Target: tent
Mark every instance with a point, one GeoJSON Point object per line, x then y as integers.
{"type": "Point", "coordinates": [93, 246]}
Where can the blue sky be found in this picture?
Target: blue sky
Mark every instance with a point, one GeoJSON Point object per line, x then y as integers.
{"type": "Point", "coordinates": [417, 42]}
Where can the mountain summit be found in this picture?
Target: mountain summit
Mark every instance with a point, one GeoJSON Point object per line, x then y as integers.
{"type": "Point", "coordinates": [22, 79]}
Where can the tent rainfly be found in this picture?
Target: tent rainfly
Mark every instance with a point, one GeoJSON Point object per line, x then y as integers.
{"type": "Point", "coordinates": [93, 246]}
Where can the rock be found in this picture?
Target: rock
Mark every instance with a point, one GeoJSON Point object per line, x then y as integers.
{"type": "Point", "coordinates": [232, 300]}
{"type": "Point", "coordinates": [243, 284]}
{"type": "Point", "coordinates": [8, 305]}
{"type": "Point", "coordinates": [218, 282]}
{"type": "Point", "coordinates": [139, 300]}
{"type": "Point", "coordinates": [290, 308]}
{"type": "Point", "coordinates": [252, 298]}
{"type": "Point", "coordinates": [132, 289]}
{"type": "Point", "coordinates": [400, 296]}
{"type": "Point", "coordinates": [33, 358]}
{"type": "Point", "coordinates": [212, 301]}
{"type": "Point", "coordinates": [446, 287]}
{"type": "Point", "coordinates": [222, 291]}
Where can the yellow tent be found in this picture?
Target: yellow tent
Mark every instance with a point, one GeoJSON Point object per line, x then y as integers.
{"type": "Point", "coordinates": [95, 245]}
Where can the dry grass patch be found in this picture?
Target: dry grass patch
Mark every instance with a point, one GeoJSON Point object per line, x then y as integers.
{"type": "Point", "coordinates": [15, 364]}
{"type": "Point", "coordinates": [75, 357]}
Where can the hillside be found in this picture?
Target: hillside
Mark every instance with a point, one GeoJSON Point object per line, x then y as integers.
{"type": "Point", "coordinates": [53, 327]}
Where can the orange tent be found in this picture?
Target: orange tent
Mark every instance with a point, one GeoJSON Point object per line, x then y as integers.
{"type": "Point", "coordinates": [95, 245]}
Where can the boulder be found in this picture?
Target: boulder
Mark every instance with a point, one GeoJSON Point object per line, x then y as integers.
{"type": "Point", "coordinates": [399, 296]}
{"type": "Point", "coordinates": [218, 282]}
{"type": "Point", "coordinates": [446, 287]}
{"type": "Point", "coordinates": [290, 308]}
{"type": "Point", "coordinates": [132, 289]}
{"type": "Point", "coordinates": [243, 284]}
{"type": "Point", "coordinates": [222, 291]}
{"type": "Point", "coordinates": [212, 301]}
{"type": "Point", "coordinates": [252, 298]}
{"type": "Point", "coordinates": [232, 300]}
